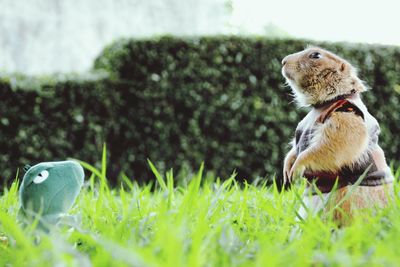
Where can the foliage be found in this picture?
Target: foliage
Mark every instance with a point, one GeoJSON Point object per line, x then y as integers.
{"type": "Point", "coordinates": [198, 222]}
{"type": "Point", "coordinates": [179, 102]}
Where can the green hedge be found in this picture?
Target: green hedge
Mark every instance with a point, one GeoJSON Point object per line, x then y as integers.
{"type": "Point", "coordinates": [179, 102]}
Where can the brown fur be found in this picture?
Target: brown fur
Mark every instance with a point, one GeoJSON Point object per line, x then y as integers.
{"type": "Point", "coordinates": [316, 81]}
{"type": "Point", "coordinates": [343, 139]}
{"type": "Point", "coordinates": [360, 199]}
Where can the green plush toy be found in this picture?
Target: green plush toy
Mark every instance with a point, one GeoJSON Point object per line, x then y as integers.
{"type": "Point", "coordinates": [48, 191]}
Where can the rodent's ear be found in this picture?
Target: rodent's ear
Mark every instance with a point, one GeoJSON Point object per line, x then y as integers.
{"type": "Point", "coordinates": [343, 67]}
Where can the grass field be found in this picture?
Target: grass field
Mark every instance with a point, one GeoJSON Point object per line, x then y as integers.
{"type": "Point", "coordinates": [200, 222]}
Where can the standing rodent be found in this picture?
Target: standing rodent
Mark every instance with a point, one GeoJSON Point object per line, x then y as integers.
{"type": "Point", "coordinates": [337, 141]}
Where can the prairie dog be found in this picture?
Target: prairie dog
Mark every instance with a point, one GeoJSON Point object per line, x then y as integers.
{"type": "Point", "coordinates": [338, 138]}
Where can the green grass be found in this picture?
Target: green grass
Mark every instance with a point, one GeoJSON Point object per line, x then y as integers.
{"type": "Point", "coordinates": [200, 222]}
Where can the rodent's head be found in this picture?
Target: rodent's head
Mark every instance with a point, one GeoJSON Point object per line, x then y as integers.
{"type": "Point", "coordinates": [317, 76]}
{"type": "Point", "coordinates": [51, 187]}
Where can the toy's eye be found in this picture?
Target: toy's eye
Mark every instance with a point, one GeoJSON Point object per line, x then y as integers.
{"type": "Point", "coordinates": [41, 177]}
{"type": "Point", "coordinates": [315, 55]}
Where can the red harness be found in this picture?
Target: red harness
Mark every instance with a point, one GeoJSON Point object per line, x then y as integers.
{"type": "Point", "coordinates": [342, 105]}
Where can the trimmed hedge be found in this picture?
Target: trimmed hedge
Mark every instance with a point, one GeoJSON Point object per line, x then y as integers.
{"type": "Point", "coordinates": [179, 102]}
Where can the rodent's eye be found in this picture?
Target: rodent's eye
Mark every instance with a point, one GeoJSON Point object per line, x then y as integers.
{"type": "Point", "coordinates": [41, 177]}
{"type": "Point", "coordinates": [315, 55]}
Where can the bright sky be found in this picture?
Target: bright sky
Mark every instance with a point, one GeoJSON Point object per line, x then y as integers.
{"type": "Point", "coordinates": [371, 21]}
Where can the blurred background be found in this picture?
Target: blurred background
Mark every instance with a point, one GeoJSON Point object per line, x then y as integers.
{"type": "Point", "coordinates": [47, 36]}
{"type": "Point", "coordinates": [178, 82]}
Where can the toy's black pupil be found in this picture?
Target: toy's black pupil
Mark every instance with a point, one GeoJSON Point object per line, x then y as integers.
{"type": "Point", "coordinates": [40, 174]}
{"type": "Point", "coordinates": [315, 55]}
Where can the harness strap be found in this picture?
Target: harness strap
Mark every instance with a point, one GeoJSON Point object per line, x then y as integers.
{"type": "Point", "coordinates": [325, 181]}
{"type": "Point", "coordinates": [341, 105]}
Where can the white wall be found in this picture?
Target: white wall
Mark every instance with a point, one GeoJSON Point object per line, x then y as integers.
{"type": "Point", "coordinates": [47, 36]}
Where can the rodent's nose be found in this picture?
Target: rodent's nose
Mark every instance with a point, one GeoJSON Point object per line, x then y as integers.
{"type": "Point", "coordinates": [284, 61]}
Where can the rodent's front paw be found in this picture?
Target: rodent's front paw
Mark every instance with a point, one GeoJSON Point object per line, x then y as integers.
{"type": "Point", "coordinates": [297, 168]}
{"type": "Point", "coordinates": [289, 161]}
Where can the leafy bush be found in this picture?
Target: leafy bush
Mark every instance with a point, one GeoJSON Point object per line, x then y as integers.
{"type": "Point", "coordinates": [179, 102]}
